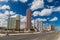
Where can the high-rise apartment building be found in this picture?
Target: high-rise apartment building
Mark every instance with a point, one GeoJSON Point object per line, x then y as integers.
{"type": "Point", "coordinates": [51, 27]}
{"type": "Point", "coordinates": [14, 23]}
{"type": "Point", "coordinates": [18, 22]}
{"type": "Point", "coordinates": [28, 19]}
{"type": "Point", "coordinates": [39, 25]}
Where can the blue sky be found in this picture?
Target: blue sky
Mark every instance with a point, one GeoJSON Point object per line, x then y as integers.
{"type": "Point", "coordinates": [47, 11]}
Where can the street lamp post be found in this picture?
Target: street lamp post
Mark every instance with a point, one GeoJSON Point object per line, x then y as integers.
{"type": "Point", "coordinates": [8, 24]}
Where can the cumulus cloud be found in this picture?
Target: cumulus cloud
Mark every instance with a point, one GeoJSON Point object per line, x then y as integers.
{"type": "Point", "coordinates": [50, 0]}
{"type": "Point", "coordinates": [14, 16]}
{"type": "Point", "coordinates": [54, 19]}
{"type": "Point", "coordinates": [23, 1]}
{"type": "Point", "coordinates": [9, 13]}
{"type": "Point", "coordinates": [22, 21]}
{"type": "Point", "coordinates": [57, 9]}
{"type": "Point", "coordinates": [3, 22]}
{"type": "Point", "coordinates": [20, 1]}
{"type": "Point", "coordinates": [41, 19]}
{"type": "Point", "coordinates": [4, 18]}
{"type": "Point", "coordinates": [23, 18]}
{"type": "Point", "coordinates": [44, 12]}
{"type": "Point", "coordinates": [33, 22]}
{"type": "Point", "coordinates": [14, 0]}
{"type": "Point", "coordinates": [22, 26]}
{"type": "Point", "coordinates": [37, 4]}
{"type": "Point", "coordinates": [36, 13]}
{"type": "Point", "coordinates": [4, 0]}
{"type": "Point", "coordinates": [5, 7]}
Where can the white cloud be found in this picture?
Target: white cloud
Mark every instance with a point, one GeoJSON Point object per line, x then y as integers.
{"type": "Point", "coordinates": [54, 19]}
{"type": "Point", "coordinates": [23, 1]}
{"type": "Point", "coordinates": [20, 1]}
{"type": "Point", "coordinates": [9, 12]}
{"type": "Point", "coordinates": [33, 22]}
{"type": "Point", "coordinates": [14, 16]}
{"type": "Point", "coordinates": [23, 18]}
{"type": "Point", "coordinates": [5, 7]}
{"type": "Point", "coordinates": [12, 13]}
{"type": "Point", "coordinates": [51, 7]}
{"type": "Point", "coordinates": [6, 12]}
{"type": "Point", "coordinates": [36, 13]}
{"type": "Point", "coordinates": [4, 17]}
{"type": "Point", "coordinates": [3, 22]}
{"type": "Point", "coordinates": [56, 9]}
{"type": "Point", "coordinates": [50, 0]}
{"type": "Point", "coordinates": [22, 26]}
{"type": "Point", "coordinates": [41, 19]}
{"type": "Point", "coordinates": [4, 0]}
{"type": "Point", "coordinates": [45, 12]}
{"type": "Point", "coordinates": [14, 0]}
{"type": "Point", "coordinates": [37, 4]}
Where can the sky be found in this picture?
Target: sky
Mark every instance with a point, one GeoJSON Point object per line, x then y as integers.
{"type": "Point", "coordinates": [47, 11]}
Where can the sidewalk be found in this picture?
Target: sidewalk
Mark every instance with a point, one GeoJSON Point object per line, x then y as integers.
{"type": "Point", "coordinates": [15, 34]}
{"type": "Point", "coordinates": [2, 35]}
{"type": "Point", "coordinates": [58, 37]}
{"type": "Point", "coordinates": [24, 33]}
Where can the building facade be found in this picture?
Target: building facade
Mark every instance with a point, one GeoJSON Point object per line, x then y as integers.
{"type": "Point", "coordinates": [40, 26]}
{"type": "Point", "coordinates": [28, 19]}
{"type": "Point", "coordinates": [14, 23]}
{"type": "Point", "coordinates": [18, 22]}
{"type": "Point", "coordinates": [51, 27]}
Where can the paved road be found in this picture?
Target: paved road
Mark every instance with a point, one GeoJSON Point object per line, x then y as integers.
{"type": "Point", "coordinates": [40, 36]}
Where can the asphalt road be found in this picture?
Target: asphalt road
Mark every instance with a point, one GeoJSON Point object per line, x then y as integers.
{"type": "Point", "coordinates": [40, 36]}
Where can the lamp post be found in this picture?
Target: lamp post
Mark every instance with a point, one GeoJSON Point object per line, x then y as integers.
{"type": "Point", "coordinates": [8, 24]}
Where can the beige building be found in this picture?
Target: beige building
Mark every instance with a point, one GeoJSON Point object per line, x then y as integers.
{"type": "Point", "coordinates": [14, 23]}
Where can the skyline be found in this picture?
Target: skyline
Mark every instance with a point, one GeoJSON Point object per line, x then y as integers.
{"type": "Point", "coordinates": [47, 11]}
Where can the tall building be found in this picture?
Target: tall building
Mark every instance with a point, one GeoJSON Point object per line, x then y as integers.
{"type": "Point", "coordinates": [14, 23]}
{"type": "Point", "coordinates": [51, 27]}
{"type": "Point", "coordinates": [39, 25]}
{"type": "Point", "coordinates": [28, 19]}
{"type": "Point", "coordinates": [18, 22]}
